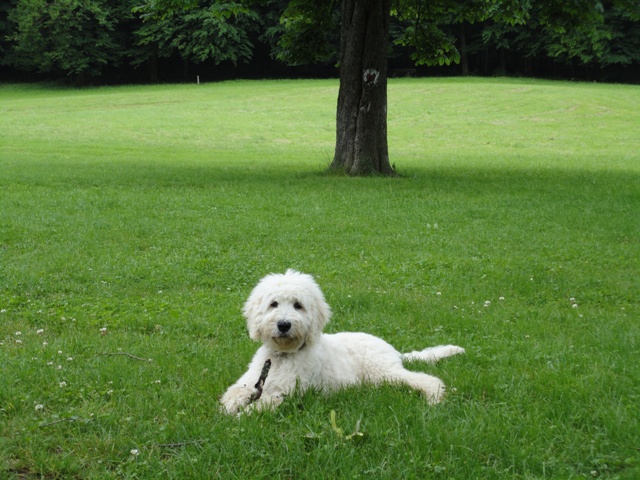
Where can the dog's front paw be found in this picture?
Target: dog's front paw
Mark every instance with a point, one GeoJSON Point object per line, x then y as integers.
{"type": "Point", "coordinates": [269, 401]}
{"type": "Point", "coordinates": [236, 399]}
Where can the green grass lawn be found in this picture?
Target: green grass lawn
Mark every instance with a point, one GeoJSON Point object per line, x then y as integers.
{"type": "Point", "coordinates": [513, 231]}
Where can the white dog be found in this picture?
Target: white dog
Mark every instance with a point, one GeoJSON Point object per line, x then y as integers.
{"type": "Point", "coordinates": [287, 314]}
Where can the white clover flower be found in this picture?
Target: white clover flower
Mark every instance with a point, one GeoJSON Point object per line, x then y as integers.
{"type": "Point", "coordinates": [135, 452]}
{"type": "Point", "coordinates": [103, 331]}
{"type": "Point", "coordinates": [501, 299]}
{"type": "Point", "coordinates": [18, 334]}
{"type": "Point", "coordinates": [438, 293]}
{"type": "Point", "coordinates": [18, 342]}
{"type": "Point", "coordinates": [40, 331]}
{"type": "Point", "coordinates": [4, 310]}
{"type": "Point", "coordinates": [44, 344]}
{"type": "Point", "coordinates": [575, 305]}
{"type": "Point", "coordinates": [39, 407]}
{"type": "Point", "coordinates": [59, 367]}
{"type": "Point", "coordinates": [50, 363]}
{"type": "Point", "coordinates": [109, 392]}
{"type": "Point", "coordinates": [69, 359]}
{"type": "Point", "coordinates": [157, 382]}
{"type": "Point", "coordinates": [59, 352]}
{"type": "Point", "coordinates": [63, 384]}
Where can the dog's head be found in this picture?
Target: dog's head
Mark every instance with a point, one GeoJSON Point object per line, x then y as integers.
{"type": "Point", "coordinates": [286, 311]}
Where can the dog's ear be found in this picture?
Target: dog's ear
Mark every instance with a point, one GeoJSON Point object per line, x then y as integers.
{"type": "Point", "coordinates": [321, 309]}
{"type": "Point", "coordinates": [251, 312]}
{"type": "Point", "coordinates": [323, 313]}
{"type": "Point", "coordinates": [320, 313]}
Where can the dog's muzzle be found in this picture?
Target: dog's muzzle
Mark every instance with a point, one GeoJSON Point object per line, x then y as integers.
{"type": "Point", "coordinates": [286, 338]}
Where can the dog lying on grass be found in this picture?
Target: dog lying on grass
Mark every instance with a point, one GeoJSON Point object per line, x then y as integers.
{"type": "Point", "coordinates": [287, 313]}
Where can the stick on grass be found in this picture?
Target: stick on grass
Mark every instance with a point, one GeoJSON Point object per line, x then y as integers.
{"type": "Point", "coordinates": [126, 355]}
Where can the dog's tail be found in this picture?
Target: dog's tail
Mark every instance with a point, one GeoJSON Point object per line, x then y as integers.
{"type": "Point", "coordinates": [432, 354]}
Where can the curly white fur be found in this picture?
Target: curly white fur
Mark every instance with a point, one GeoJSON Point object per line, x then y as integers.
{"type": "Point", "coordinates": [287, 313]}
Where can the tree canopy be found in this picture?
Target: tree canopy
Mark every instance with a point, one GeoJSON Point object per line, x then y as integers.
{"type": "Point", "coordinates": [110, 41]}
{"type": "Point", "coordinates": [70, 37]}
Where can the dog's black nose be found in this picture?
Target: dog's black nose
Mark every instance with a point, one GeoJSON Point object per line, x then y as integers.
{"type": "Point", "coordinates": [284, 326]}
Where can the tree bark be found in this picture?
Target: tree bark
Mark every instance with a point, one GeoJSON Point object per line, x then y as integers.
{"type": "Point", "coordinates": [361, 120]}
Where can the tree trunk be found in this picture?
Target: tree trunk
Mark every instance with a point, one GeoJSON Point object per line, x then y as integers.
{"type": "Point", "coordinates": [361, 120]}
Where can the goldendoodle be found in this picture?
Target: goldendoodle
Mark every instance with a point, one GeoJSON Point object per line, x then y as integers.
{"type": "Point", "coordinates": [287, 312]}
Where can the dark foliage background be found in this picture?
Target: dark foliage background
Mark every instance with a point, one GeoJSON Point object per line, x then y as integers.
{"type": "Point", "coordinates": [126, 41]}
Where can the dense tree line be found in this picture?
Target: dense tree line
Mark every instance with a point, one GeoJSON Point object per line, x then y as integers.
{"type": "Point", "coordinates": [115, 41]}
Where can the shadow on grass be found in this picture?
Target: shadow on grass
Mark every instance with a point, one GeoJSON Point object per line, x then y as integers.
{"type": "Point", "coordinates": [164, 173]}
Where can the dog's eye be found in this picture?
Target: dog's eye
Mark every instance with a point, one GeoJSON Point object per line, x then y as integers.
{"type": "Point", "coordinates": [274, 304]}
{"type": "Point", "coordinates": [298, 306]}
